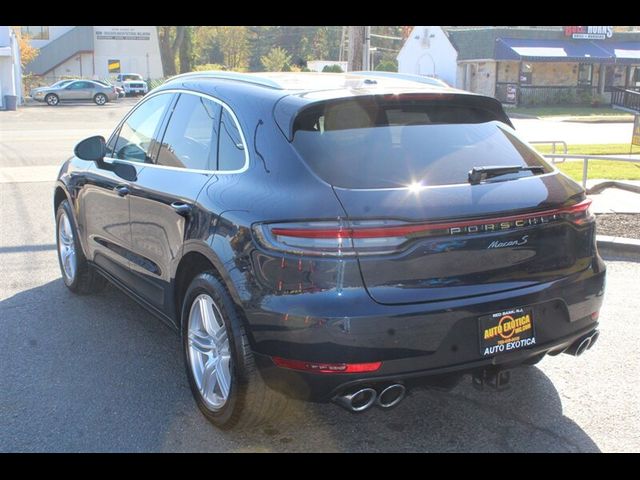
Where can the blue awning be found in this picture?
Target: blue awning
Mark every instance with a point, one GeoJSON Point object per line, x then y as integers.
{"type": "Point", "coordinates": [624, 52]}
{"type": "Point", "coordinates": [552, 50]}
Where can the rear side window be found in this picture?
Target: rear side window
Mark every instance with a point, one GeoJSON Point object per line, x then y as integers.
{"type": "Point", "coordinates": [191, 137]}
{"type": "Point", "coordinates": [354, 144]}
{"type": "Point", "coordinates": [231, 154]}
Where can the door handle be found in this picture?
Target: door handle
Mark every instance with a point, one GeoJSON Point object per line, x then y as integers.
{"type": "Point", "coordinates": [183, 209]}
{"type": "Point", "coordinates": [122, 190]}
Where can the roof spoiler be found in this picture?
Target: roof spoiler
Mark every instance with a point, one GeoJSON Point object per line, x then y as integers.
{"type": "Point", "coordinates": [290, 106]}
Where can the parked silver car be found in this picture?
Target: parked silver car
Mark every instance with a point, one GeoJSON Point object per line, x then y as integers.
{"type": "Point", "coordinates": [75, 90]}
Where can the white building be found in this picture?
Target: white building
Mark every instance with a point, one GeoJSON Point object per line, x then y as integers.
{"type": "Point", "coordinates": [94, 52]}
{"type": "Point", "coordinates": [429, 52]}
{"type": "Point", "coordinates": [10, 71]}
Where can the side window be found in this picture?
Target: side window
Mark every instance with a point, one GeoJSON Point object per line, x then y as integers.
{"type": "Point", "coordinates": [231, 154]}
{"type": "Point", "coordinates": [192, 134]}
{"type": "Point", "coordinates": [136, 134]}
{"type": "Point", "coordinates": [75, 85]}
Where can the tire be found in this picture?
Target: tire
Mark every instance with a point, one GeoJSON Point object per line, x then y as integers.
{"type": "Point", "coordinates": [250, 402]}
{"type": "Point", "coordinates": [52, 99]}
{"type": "Point", "coordinates": [100, 99]}
{"type": "Point", "coordinates": [85, 279]}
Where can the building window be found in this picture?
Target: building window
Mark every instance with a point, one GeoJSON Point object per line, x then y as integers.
{"type": "Point", "coordinates": [585, 75]}
{"type": "Point", "coordinates": [36, 33]}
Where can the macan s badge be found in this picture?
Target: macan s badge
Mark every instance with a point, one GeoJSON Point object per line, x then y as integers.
{"type": "Point", "coordinates": [512, 243]}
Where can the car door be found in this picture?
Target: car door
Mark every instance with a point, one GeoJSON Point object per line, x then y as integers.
{"type": "Point", "coordinates": [164, 207]}
{"type": "Point", "coordinates": [106, 198]}
{"type": "Point", "coordinates": [74, 91]}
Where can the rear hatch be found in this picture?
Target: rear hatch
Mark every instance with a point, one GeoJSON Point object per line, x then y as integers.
{"type": "Point", "coordinates": [420, 228]}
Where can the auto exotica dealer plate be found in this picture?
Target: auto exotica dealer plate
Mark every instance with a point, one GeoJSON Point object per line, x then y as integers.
{"type": "Point", "coordinates": [506, 331]}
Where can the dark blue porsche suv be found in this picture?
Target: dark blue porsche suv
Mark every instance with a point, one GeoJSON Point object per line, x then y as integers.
{"type": "Point", "coordinates": [332, 237]}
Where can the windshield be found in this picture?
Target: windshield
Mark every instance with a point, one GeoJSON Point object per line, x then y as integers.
{"type": "Point", "coordinates": [131, 77]}
{"type": "Point", "coordinates": [355, 145]}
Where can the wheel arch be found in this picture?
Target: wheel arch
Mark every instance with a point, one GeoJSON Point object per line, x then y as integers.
{"type": "Point", "coordinates": [199, 258]}
{"type": "Point", "coordinates": [60, 194]}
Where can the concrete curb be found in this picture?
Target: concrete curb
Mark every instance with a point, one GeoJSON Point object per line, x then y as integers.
{"type": "Point", "coordinates": [628, 248]}
{"type": "Point", "coordinates": [622, 119]}
{"type": "Point", "coordinates": [599, 187]}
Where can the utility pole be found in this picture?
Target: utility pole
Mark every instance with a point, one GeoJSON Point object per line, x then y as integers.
{"type": "Point", "coordinates": [342, 41]}
{"type": "Point", "coordinates": [356, 46]}
{"type": "Point", "coordinates": [366, 54]}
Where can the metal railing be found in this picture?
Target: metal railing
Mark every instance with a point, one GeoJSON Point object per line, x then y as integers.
{"type": "Point", "coordinates": [547, 95]}
{"type": "Point", "coordinates": [625, 98]}
{"type": "Point", "coordinates": [553, 144]}
{"type": "Point", "coordinates": [585, 161]}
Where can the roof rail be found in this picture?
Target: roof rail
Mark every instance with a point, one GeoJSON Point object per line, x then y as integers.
{"type": "Point", "coordinates": [240, 77]}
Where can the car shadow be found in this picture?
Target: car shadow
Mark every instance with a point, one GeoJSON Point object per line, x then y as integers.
{"type": "Point", "coordinates": [99, 373]}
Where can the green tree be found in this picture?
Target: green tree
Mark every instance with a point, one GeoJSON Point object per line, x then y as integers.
{"type": "Point", "coordinates": [206, 47]}
{"type": "Point", "coordinates": [321, 44]}
{"type": "Point", "coordinates": [277, 60]}
{"type": "Point", "coordinates": [234, 45]}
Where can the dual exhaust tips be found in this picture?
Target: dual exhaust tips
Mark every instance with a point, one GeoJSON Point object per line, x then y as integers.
{"type": "Point", "coordinates": [583, 344]}
{"type": "Point", "coordinates": [364, 398]}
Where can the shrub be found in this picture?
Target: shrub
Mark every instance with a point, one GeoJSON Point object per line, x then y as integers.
{"type": "Point", "coordinates": [387, 66]}
{"type": "Point", "coordinates": [209, 66]}
{"type": "Point", "coordinates": [333, 69]}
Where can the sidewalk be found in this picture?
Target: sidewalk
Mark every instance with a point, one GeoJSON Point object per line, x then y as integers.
{"type": "Point", "coordinates": [614, 200]}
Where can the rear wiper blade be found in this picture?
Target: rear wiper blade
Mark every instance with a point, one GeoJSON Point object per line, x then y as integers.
{"type": "Point", "coordinates": [479, 174]}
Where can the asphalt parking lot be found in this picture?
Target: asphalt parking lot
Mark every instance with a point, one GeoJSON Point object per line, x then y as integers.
{"type": "Point", "coordinates": [98, 373]}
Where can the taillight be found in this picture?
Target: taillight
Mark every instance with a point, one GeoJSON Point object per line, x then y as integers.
{"type": "Point", "coordinates": [320, 367]}
{"type": "Point", "coordinates": [336, 238]}
{"type": "Point", "coordinates": [373, 237]}
{"type": "Point", "coordinates": [580, 213]}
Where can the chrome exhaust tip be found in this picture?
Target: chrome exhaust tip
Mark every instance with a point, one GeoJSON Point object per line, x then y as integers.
{"type": "Point", "coordinates": [391, 396]}
{"type": "Point", "coordinates": [358, 401]}
{"type": "Point", "coordinates": [581, 345]}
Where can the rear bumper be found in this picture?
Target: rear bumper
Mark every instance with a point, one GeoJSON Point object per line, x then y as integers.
{"type": "Point", "coordinates": [413, 341]}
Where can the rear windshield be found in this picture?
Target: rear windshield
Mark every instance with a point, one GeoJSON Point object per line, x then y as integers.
{"type": "Point", "coordinates": [355, 144]}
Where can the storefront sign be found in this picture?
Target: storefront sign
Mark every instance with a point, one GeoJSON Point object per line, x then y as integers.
{"type": "Point", "coordinates": [114, 66]}
{"type": "Point", "coordinates": [122, 33]}
{"type": "Point", "coordinates": [591, 32]}
{"type": "Point", "coordinates": [635, 140]}
{"type": "Point", "coordinates": [512, 93]}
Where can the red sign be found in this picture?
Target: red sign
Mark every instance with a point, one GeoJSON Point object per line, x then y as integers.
{"type": "Point", "coordinates": [590, 32]}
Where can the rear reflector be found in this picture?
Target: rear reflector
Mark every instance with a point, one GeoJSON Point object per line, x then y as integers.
{"type": "Point", "coordinates": [315, 367]}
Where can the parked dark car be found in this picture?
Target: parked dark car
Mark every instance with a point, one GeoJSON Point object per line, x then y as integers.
{"type": "Point", "coordinates": [332, 237]}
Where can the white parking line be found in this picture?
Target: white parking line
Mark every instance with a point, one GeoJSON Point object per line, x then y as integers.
{"type": "Point", "coordinates": [47, 173]}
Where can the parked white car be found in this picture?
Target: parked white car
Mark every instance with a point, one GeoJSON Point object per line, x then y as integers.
{"type": "Point", "coordinates": [132, 84]}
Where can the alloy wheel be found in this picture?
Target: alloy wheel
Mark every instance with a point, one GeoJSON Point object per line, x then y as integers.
{"type": "Point", "coordinates": [67, 248]}
{"type": "Point", "coordinates": [209, 353]}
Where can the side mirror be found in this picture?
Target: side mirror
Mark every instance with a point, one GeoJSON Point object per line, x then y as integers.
{"type": "Point", "coordinates": [92, 148]}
